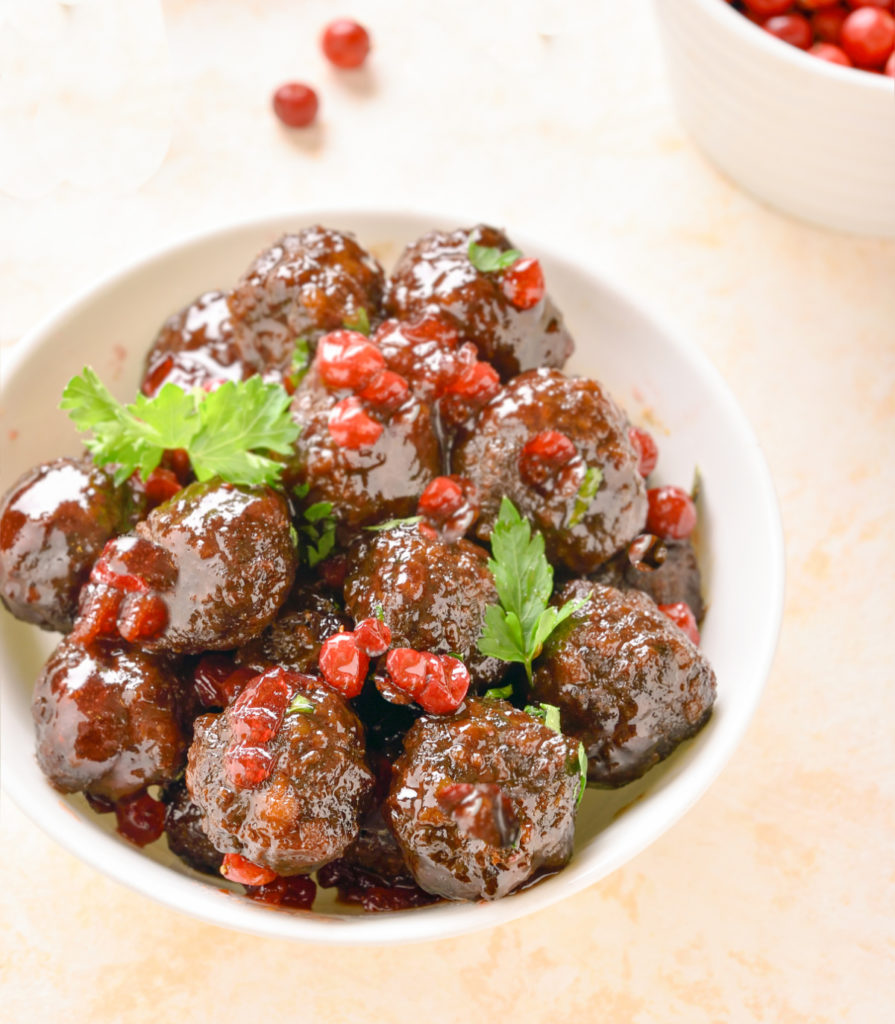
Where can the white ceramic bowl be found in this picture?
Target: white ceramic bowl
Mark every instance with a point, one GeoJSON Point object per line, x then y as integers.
{"type": "Point", "coordinates": [648, 368]}
{"type": "Point", "coordinates": [809, 137]}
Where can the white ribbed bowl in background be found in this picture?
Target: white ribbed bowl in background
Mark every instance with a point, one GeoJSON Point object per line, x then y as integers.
{"type": "Point", "coordinates": [811, 138]}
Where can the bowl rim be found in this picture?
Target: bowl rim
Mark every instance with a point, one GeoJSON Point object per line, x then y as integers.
{"type": "Point", "coordinates": [223, 908]}
{"type": "Point", "coordinates": [725, 15]}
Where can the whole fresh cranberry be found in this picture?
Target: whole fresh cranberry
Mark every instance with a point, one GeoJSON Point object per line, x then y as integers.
{"type": "Point", "coordinates": [682, 616]}
{"type": "Point", "coordinates": [868, 37]}
{"type": "Point", "coordinates": [890, 66]}
{"type": "Point", "coordinates": [372, 637]}
{"type": "Point", "coordinates": [827, 24]}
{"type": "Point", "coordinates": [345, 43]}
{"type": "Point", "coordinates": [831, 54]}
{"type": "Point", "coordinates": [549, 462]}
{"type": "Point", "coordinates": [671, 512]}
{"type": "Point", "coordinates": [767, 8]}
{"type": "Point", "coordinates": [343, 664]}
{"type": "Point", "coordinates": [295, 104]}
{"type": "Point", "coordinates": [646, 448]}
{"type": "Point", "coordinates": [523, 283]}
{"type": "Point", "coordinates": [791, 28]}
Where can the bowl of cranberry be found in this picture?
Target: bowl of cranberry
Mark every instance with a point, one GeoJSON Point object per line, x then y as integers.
{"type": "Point", "coordinates": [412, 579]}
{"type": "Point", "coordinates": [792, 99]}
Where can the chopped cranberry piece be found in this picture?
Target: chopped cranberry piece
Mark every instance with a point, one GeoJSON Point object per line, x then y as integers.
{"type": "Point", "coordinates": [160, 485]}
{"type": "Point", "coordinates": [671, 512]}
{"type": "Point", "coordinates": [831, 54]}
{"type": "Point", "coordinates": [437, 682]}
{"type": "Point", "coordinates": [257, 713]}
{"type": "Point", "coordinates": [348, 359]}
{"type": "Point", "coordinates": [237, 869]}
{"type": "Point", "coordinates": [682, 616]}
{"type": "Point", "coordinates": [140, 819]}
{"type": "Point", "coordinates": [372, 637]}
{"type": "Point", "coordinates": [295, 104]}
{"type": "Point", "coordinates": [386, 687]}
{"type": "Point", "coordinates": [387, 391]}
{"type": "Point", "coordinates": [868, 37]}
{"type": "Point", "coordinates": [450, 505]}
{"type": "Point", "coordinates": [791, 28]}
{"type": "Point", "coordinates": [345, 43]}
{"type": "Point", "coordinates": [332, 572]}
{"type": "Point", "coordinates": [98, 615]}
{"type": "Point", "coordinates": [142, 617]}
{"type": "Point", "coordinates": [543, 460]}
{"type": "Point", "coordinates": [343, 664]}
{"type": "Point", "coordinates": [351, 426]}
{"type": "Point", "coordinates": [523, 283]}
{"type": "Point", "coordinates": [247, 767]}
{"type": "Point", "coordinates": [647, 451]}
{"type": "Point", "coordinates": [482, 810]}
{"type": "Point", "coordinates": [296, 892]}
{"type": "Point", "coordinates": [472, 390]}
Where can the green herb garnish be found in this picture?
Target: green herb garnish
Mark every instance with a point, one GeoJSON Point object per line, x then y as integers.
{"type": "Point", "coordinates": [360, 322]}
{"type": "Point", "coordinates": [317, 534]}
{"type": "Point", "coordinates": [300, 705]}
{"type": "Point", "coordinates": [223, 431]}
{"type": "Point", "coordinates": [515, 629]}
{"type": "Point", "coordinates": [499, 692]}
{"type": "Point", "coordinates": [301, 361]}
{"type": "Point", "coordinates": [589, 487]}
{"type": "Point", "coordinates": [393, 524]}
{"type": "Point", "coordinates": [582, 770]}
{"type": "Point", "coordinates": [379, 613]}
{"type": "Point", "coordinates": [549, 713]}
{"type": "Point", "coordinates": [487, 259]}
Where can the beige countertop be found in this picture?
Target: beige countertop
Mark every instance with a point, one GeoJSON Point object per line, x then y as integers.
{"type": "Point", "coordinates": [774, 898]}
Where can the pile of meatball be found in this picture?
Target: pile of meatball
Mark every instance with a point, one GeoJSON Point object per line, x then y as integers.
{"type": "Point", "coordinates": [293, 714]}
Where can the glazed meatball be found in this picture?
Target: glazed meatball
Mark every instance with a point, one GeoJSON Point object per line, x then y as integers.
{"type": "Point", "coordinates": [433, 594]}
{"type": "Point", "coordinates": [540, 443]}
{"type": "Point", "coordinates": [676, 579]}
{"type": "Point", "coordinates": [483, 800]}
{"type": "Point", "coordinates": [294, 638]}
{"type": "Point", "coordinates": [367, 480]}
{"type": "Point", "coordinates": [208, 570]}
{"type": "Point", "coordinates": [435, 275]}
{"type": "Point", "coordinates": [302, 286]}
{"type": "Point", "coordinates": [109, 719]}
{"type": "Point", "coordinates": [184, 832]}
{"type": "Point", "coordinates": [285, 789]}
{"type": "Point", "coordinates": [54, 522]}
{"type": "Point", "coordinates": [629, 684]}
{"type": "Point", "coordinates": [197, 347]}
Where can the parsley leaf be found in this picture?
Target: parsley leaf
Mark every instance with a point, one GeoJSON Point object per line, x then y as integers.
{"type": "Point", "coordinates": [392, 524]}
{"type": "Point", "coordinates": [548, 712]}
{"type": "Point", "coordinates": [499, 692]}
{"type": "Point", "coordinates": [317, 535]}
{"type": "Point", "coordinates": [360, 322]}
{"type": "Point", "coordinates": [589, 487]}
{"type": "Point", "coordinates": [487, 259]}
{"type": "Point", "coordinates": [516, 629]}
{"type": "Point", "coordinates": [301, 362]}
{"type": "Point", "coordinates": [582, 770]}
{"type": "Point", "coordinates": [223, 432]}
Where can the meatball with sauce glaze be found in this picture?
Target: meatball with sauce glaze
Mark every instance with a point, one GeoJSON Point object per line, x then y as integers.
{"type": "Point", "coordinates": [483, 800]}
{"type": "Point", "coordinates": [304, 285]}
{"type": "Point", "coordinates": [434, 275]}
{"type": "Point", "coordinates": [432, 594]}
{"type": "Point", "coordinates": [110, 719]}
{"type": "Point", "coordinates": [208, 570]}
{"type": "Point", "coordinates": [54, 522]}
{"type": "Point", "coordinates": [535, 444]}
{"type": "Point", "coordinates": [284, 789]}
{"type": "Point", "coordinates": [676, 579]}
{"type": "Point", "coordinates": [629, 684]}
{"type": "Point", "coordinates": [184, 832]}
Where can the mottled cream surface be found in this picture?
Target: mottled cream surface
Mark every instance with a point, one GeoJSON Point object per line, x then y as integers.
{"type": "Point", "coordinates": [774, 898]}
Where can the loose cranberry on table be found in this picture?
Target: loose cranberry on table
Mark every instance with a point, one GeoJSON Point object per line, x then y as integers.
{"type": "Point", "coordinates": [682, 616]}
{"type": "Point", "coordinates": [295, 104]}
{"type": "Point", "coordinates": [345, 43]}
{"type": "Point", "coordinates": [671, 513]}
{"type": "Point", "coordinates": [868, 37]}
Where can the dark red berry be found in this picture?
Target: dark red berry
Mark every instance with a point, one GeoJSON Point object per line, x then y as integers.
{"type": "Point", "coordinates": [437, 682]}
{"type": "Point", "coordinates": [345, 43]}
{"type": "Point", "coordinates": [295, 104]}
{"type": "Point", "coordinates": [139, 818]}
{"type": "Point", "coordinates": [523, 283]}
{"type": "Point", "coordinates": [647, 451]}
{"type": "Point", "coordinates": [671, 513]}
{"type": "Point", "coordinates": [827, 24]}
{"type": "Point", "coordinates": [350, 425]}
{"type": "Point", "coordinates": [682, 616]}
{"type": "Point", "coordinates": [160, 485]}
{"type": "Point", "coordinates": [343, 665]}
{"type": "Point", "coordinates": [296, 892]}
{"type": "Point", "coordinates": [890, 66]}
{"type": "Point", "coordinates": [142, 617]}
{"type": "Point", "coordinates": [831, 54]}
{"type": "Point", "coordinates": [386, 392]}
{"type": "Point", "coordinates": [442, 499]}
{"type": "Point", "coordinates": [543, 456]}
{"type": "Point", "coordinates": [468, 393]}
{"type": "Point", "coordinates": [372, 637]}
{"type": "Point", "coordinates": [791, 28]}
{"type": "Point", "coordinates": [237, 869]}
{"type": "Point", "coordinates": [768, 8]}
{"type": "Point", "coordinates": [348, 359]}
{"type": "Point", "coordinates": [100, 804]}
{"type": "Point", "coordinates": [868, 37]}
{"type": "Point", "coordinates": [217, 680]}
